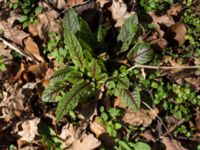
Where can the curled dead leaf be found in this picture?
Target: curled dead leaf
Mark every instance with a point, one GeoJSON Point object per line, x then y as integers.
{"type": "Point", "coordinates": [38, 70]}
{"type": "Point", "coordinates": [32, 48]}
{"type": "Point", "coordinates": [118, 103]}
{"type": "Point", "coordinates": [97, 128]}
{"type": "Point", "coordinates": [29, 129]}
{"type": "Point", "coordinates": [165, 19]}
{"type": "Point", "coordinates": [140, 117]}
{"type": "Point", "coordinates": [119, 12]}
{"type": "Point", "coordinates": [174, 9]}
{"type": "Point", "coordinates": [177, 32]}
{"type": "Point", "coordinates": [67, 134]}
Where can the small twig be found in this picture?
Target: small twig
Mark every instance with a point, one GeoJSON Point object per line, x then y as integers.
{"type": "Point", "coordinates": [163, 67]}
{"type": "Point", "coordinates": [15, 48]}
{"type": "Point", "coordinates": [194, 139]}
{"type": "Point", "coordinates": [159, 120]}
{"type": "Point", "coordinates": [179, 123]}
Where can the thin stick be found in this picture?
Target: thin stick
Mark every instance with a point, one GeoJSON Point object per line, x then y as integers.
{"type": "Point", "coordinates": [163, 67]}
{"type": "Point", "coordinates": [15, 48]}
{"type": "Point", "coordinates": [159, 120]}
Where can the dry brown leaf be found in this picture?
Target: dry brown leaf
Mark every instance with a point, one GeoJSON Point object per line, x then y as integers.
{"type": "Point", "coordinates": [4, 51]}
{"type": "Point", "coordinates": [165, 19]}
{"type": "Point", "coordinates": [49, 22]}
{"type": "Point", "coordinates": [118, 103]}
{"type": "Point", "coordinates": [32, 28]}
{"type": "Point", "coordinates": [38, 70]}
{"type": "Point", "coordinates": [119, 12]}
{"type": "Point", "coordinates": [88, 142]}
{"type": "Point", "coordinates": [67, 134]}
{"type": "Point", "coordinates": [13, 34]}
{"type": "Point", "coordinates": [97, 128]}
{"type": "Point", "coordinates": [172, 144]}
{"type": "Point", "coordinates": [148, 136]}
{"type": "Point", "coordinates": [12, 103]}
{"type": "Point", "coordinates": [161, 42]}
{"type": "Point", "coordinates": [71, 3]}
{"type": "Point", "coordinates": [61, 4]}
{"type": "Point", "coordinates": [32, 48]}
{"type": "Point", "coordinates": [179, 30]}
{"type": "Point", "coordinates": [197, 123]}
{"type": "Point", "coordinates": [195, 82]}
{"type": "Point", "coordinates": [76, 141]}
{"type": "Point", "coordinates": [13, 16]}
{"type": "Point", "coordinates": [29, 129]}
{"type": "Point", "coordinates": [140, 117]}
{"type": "Point", "coordinates": [174, 9]}
{"type": "Point", "coordinates": [102, 2]}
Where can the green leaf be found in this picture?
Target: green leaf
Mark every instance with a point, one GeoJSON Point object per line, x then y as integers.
{"type": "Point", "coordinates": [53, 90]}
{"type": "Point", "coordinates": [127, 32]}
{"type": "Point", "coordinates": [94, 69]}
{"type": "Point", "coordinates": [75, 49]}
{"type": "Point", "coordinates": [124, 145]}
{"type": "Point", "coordinates": [102, 31]}
{"type": "Point", "coordinates": [70, 21]}
{"type": "Point", "coordinates": [141, 146]}
{"type": "Point", "coordinates": [122, 82]}
{"type": "Point", "coordinates": [50, 136]}
{"type": "Point", "coordinates": [38, 10]}
{"type": "Point", "coordinates": [86, 34]}
{"type": "Point", "coordinates": [60, 75]}
{"type": "Point", "coordinates": [129, 99]}
{"type": "Point", "coordinates": [71, 99]}
{"type": "Point", "coordinates": [23, 18]}
{"type": "Point", "coordinates": [141, 53]}
{"type": "Point", "coordinates": [75, 77]}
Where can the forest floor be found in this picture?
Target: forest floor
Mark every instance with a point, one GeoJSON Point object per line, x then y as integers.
{"type": "Point", "coordinates": [105, 74]}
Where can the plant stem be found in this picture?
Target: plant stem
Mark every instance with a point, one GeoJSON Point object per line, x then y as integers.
{"type": "Point", "coordinates": [162, 67]}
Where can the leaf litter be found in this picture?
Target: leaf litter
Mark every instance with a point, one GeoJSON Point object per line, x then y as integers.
{"type": "Point", "coordinates": [32, 76]}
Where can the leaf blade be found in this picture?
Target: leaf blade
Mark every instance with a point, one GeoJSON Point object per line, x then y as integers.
{"type": "Point", "coordinates": [75, 49]}
{"type": "Point", "coordinates": [127, 32]}
{"type": "Point", "coordinates": [70, 21]}
{"type": "Point", "coordinates": [53, 90]}
{"type": "Point", "coordinates": [71, 99]}
{"type": "Point", "coordinates": [141, 53]}
{"type": "Point", "coordinates": [131, 100]}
